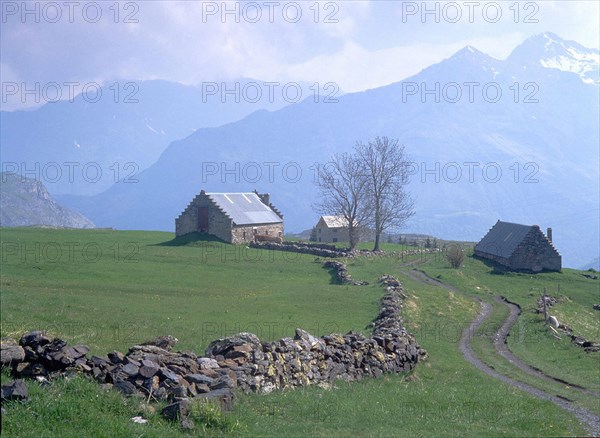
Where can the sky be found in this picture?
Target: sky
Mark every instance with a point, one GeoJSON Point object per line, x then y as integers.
{"type": "Point", "coordinates": [357, 45]}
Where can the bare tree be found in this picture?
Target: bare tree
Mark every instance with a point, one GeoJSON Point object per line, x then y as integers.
{"type": "Point", "coordinates": [342, 188]}
{"type": "Point", "coordinates": [385, 167]}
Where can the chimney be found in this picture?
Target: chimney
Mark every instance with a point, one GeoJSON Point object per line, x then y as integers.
{"type": "Point", "coordinates": [265, 198]}
{"type": "Point", "coordinates": [549, 234]}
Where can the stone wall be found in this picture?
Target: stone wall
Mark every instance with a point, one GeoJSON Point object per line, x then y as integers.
{"type": "Point", "coordinates": [316, 250]}
{"type": "Point", "coordinates": [245, 234]}
{"type": "Point", "coordinates": [326, 234]}
{"type": "Point", "coordinates": [219, 224]}
{"type": "Point", "coordinates": [242, 361]}
{"type": "Point", "coordinates": [324, 250]}
{"type": "Point", "coordinates": [341, 273]}
{"type": "Point", "coordinates": [535, 253]}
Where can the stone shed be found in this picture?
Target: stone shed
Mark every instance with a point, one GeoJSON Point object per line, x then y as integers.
{"type": "Point", "coordinates": [232, 217]}
{"type": "Point", "coordinates": [332, 229]}
{"type": "Point", "coordinates": [519, 247]}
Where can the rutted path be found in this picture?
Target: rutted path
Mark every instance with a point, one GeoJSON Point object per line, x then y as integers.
{"type": "Point", "coordinates": [589, 419]}
{"type": "Point", "coordinates": [502, 348]}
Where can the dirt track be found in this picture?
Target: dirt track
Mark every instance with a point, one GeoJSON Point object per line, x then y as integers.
{"type": "Point", "coordinates": [590, 420]}
{"type": "Point", "coordinates": [502, 348]}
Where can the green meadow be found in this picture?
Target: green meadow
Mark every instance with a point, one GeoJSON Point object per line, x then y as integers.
{"type": "Point", "coordinates": [111, 289]}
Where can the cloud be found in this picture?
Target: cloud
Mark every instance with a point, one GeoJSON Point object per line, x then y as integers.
{"type": "Point", "coordinates": [358, 44]}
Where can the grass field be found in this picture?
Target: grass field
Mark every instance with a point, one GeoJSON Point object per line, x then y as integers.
{"type": "Point", "coordinates": [111, 289]}
{"type": "Point", "coordinates": [530, 339]}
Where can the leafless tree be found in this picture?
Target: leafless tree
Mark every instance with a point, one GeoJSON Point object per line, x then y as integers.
{"type": "Point", "coordinates": [342, 189]}
{"type": "Point", "coordinates": [385, 167]}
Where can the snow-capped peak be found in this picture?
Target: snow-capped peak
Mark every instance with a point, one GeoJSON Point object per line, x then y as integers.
{"type": "Point", "coordinates": [550, 51]}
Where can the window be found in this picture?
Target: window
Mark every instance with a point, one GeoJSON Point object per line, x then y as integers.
{"type": "Point", "coordinates": [319, 232]}
{"type": "Point", "coordinates": [335, 230]}
{"type": "Point", "coordinates": [335, 239]}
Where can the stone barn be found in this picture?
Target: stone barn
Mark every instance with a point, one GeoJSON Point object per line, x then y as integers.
{"type": "Point", "coordinates": [332, 229]}
{"type": "Point", "coordinates": [519, 247]}
{"type": "Point", "coordinates": [232, 217]}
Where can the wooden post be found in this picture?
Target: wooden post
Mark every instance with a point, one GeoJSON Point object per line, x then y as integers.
{"type": "Point", "coordinates": [545, 308]}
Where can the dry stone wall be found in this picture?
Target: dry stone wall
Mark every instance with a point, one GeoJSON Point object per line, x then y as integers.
{"type": "Point", "coordinates": [324, 250]}
{"type": "Point", "coordinates": [316, 250]}
{"type": "Point", "coordinates": [242, 361]}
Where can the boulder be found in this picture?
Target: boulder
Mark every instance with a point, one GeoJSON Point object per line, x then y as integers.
{"type": "Point", "coordinates": [222, 346]}
{"type": "Point", "coordinates": [165, 342]}
{"type": "Point", "coordinates": [552, 320]}
{"type": "Point", "coordinates": [224, 396]}
{"type": "Point", "coordinates": [34, 339]}
{"type": "Point", "coordinates": [176, 410]}
{"type": "Point", "coordinates": [148, 368]}
{"type": "Point", "coordinates": [115, 357]}
{"type": "Point", "coordinates": [199, 379]}
{"type": "Point", "coordinates": [14, 390]}
{"type": "Point", "coordinates": [10, 352]}
{"type": "Point", "coordinates": [126, 387]}
{"type": "Point", "coordinates": [131, 369]}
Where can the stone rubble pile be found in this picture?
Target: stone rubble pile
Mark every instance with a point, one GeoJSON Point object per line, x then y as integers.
{"type": "Point", "coordinates": [550, 301]}
{"type": "Point", "coordinates": [587, 345]}
{"type": "Point", "coordinates": [242, 361]}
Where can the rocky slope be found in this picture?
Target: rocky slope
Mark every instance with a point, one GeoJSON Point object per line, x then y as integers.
{"type": "Point", "coordinates": [26, 202]}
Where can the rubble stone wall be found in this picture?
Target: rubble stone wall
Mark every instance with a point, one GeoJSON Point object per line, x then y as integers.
{"type": "Point", "coordinates": [241, 361]}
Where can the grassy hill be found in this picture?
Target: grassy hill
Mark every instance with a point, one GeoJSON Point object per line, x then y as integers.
{"type": "Point", "coordinates": [111, 289]}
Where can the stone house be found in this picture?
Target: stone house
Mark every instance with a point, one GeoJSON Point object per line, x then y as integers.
{"type": "Point", "coordinates": [232, 217]}
{"type": "Point", "coordinates": [519, 247]}
{"type": "Point", "coordinates": [331, 229]}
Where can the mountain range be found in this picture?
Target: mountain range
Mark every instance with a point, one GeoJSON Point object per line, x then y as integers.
{"type": "Point", "coordinates": [85, 145]}
{"type": "Point", "coordinates": [514, 139]}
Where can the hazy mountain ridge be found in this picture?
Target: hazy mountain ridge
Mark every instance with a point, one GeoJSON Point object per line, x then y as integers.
{"type": "Point", "coordinates": [120, 134]}
{"type": "Point", "coordinates": [542, 134]}
{"type": "Point", "coordinates": [593, 264]}
{"type": "Point", "coordinates": [26, 202]}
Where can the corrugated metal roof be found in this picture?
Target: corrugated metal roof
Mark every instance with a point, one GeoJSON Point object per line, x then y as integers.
{"type": "Point", "coordinates": [503, 239]}
{"type": "Point", "coordinates": [335, 221]}
{"type": "Point", "coordinates": [245, 208]}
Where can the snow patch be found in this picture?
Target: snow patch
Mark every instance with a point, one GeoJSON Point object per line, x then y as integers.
{"type": "Point", "coordinates": [152, 129]}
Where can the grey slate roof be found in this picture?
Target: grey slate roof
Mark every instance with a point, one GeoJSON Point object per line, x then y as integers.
{"type": "Point", "coordinates": [503, 239]}
{"type": "Point", "coordinates": [245, 208]}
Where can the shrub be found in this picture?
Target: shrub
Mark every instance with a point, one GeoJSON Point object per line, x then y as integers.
{"type": "Point", "coordinates": [455, 255]}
